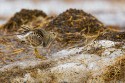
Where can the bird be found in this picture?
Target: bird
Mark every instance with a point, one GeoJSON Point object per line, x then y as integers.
{"type": "Point", "coordinates": [36, 37]}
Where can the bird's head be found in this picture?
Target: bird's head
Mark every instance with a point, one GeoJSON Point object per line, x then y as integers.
{"type": "Point", "coordinates": [53, 35]}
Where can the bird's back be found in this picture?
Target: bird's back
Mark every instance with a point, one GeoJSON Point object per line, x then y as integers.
{"type": "Point", "coordinates": [36, 38]}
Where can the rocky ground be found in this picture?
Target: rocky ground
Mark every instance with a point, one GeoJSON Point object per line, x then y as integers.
{"type": "Point", "coordinates": [101, 62]}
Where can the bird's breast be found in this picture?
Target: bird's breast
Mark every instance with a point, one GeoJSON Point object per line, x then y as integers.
{"type": "Point", "coordinates": [23, 36]}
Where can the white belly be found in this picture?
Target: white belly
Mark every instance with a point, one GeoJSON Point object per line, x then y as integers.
{"type": "Point", "coordinates": [23, 37]}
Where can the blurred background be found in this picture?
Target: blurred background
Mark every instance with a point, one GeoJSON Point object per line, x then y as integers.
{"type": "Point", "coordinates": [110, 12]}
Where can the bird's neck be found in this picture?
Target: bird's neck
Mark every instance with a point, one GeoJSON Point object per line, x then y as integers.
{"type": "Point", "coordinates": [48, 41]}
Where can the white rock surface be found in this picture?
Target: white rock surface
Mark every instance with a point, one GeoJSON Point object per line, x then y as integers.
{"type": "Point", "coordinates": [68, 66]}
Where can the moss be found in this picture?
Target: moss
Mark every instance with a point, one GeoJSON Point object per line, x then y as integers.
{"type": "Point", "coordinates": [72, 24]}
{"type": "Point", "coordinates": [97, 51]}
{"type": "Point", "coordinates": [113, 36]}
{"type": "Point", "coordinates": [22, 17]}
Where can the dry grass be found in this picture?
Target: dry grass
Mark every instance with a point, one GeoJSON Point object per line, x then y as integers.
{"type": "Point", "coordinates": [113, 72]}
{"type": "Point", "coordinates": [11, 50]}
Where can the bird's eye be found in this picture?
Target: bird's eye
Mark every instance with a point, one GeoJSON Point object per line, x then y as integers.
{"type": "Point", "coordinates": [53, 34]}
